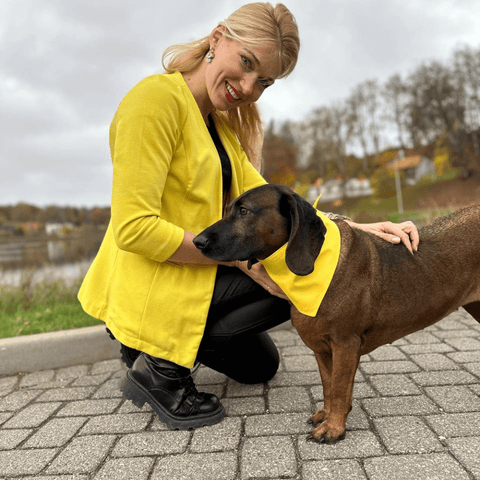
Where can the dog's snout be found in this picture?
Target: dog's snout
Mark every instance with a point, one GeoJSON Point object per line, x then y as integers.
{"type": "Point", "coordinates": [200, 241]}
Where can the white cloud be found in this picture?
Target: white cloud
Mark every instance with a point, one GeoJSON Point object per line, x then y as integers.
{"type": "Point", "coordinates": [65, 66]}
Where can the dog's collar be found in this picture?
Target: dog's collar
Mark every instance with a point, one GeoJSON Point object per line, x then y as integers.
{"type": "Point", "coordinates": [307, 292]}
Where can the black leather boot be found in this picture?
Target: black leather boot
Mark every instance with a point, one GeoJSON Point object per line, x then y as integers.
{"type": "Point", "coordinates": [169, 389]}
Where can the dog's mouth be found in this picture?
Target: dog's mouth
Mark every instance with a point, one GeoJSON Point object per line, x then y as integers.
{"type": "Point", "coordinates": [212, 248]}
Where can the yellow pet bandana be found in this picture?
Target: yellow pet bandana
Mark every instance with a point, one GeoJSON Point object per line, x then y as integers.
{"type": "Point", "coordinates": [307, 292]}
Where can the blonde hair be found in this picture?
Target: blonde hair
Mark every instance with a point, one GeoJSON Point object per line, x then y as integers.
{"type": "Point", "coordinates": [255, 24]}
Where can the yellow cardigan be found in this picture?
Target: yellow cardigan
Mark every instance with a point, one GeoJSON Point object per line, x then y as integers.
{"type": "Point", "coordinates": [167, 179]}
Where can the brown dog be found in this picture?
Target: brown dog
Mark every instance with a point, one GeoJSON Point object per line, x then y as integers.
{"type": "Point", "coordinates": [379, 293]}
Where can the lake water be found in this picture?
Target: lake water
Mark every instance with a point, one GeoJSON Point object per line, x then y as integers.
{"type": "Point", "coordinates": [69, 272]}
{"type": "Point", "coordinates": [48, 258]}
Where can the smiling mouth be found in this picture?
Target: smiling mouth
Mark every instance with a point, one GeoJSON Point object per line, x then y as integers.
{"type": "Point", "coordinates": [232, 92]}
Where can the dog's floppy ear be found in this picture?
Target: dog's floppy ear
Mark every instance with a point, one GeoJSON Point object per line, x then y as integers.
{"type": "Point", "coordinates": [307, 235]}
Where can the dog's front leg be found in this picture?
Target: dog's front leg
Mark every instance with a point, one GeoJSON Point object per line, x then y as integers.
{"type": "Point", "coordinates": [324, 361]}
{"type": "Point", "coordinates": [338, 391]}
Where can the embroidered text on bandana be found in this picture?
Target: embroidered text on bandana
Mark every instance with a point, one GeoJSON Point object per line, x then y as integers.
{"type": "Point", "coordinates": [307, 292]}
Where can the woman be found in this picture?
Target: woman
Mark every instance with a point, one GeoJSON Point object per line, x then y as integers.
{"type": "Point", "coordinates": [180, 145]}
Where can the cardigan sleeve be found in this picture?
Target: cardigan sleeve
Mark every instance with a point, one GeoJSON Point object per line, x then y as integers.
{"type": "Point", "coordinates": [143, 138]}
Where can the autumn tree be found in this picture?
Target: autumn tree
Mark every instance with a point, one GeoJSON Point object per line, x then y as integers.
{"type": "Point", "coordinates": [279, 158]}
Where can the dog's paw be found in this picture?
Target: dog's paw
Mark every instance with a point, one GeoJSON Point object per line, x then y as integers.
{"type": "Point", "coordinates": [317, 418]}
{"type": "Point", "coordinates": [327, 433]}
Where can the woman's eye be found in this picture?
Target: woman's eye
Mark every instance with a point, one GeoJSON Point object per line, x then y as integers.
{"type": "Point", "coordinates": [264, 83]}
{"type": "Point", "coordinates": [245, 61]}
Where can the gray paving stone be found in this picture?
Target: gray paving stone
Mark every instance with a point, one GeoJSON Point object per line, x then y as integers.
{"type": "Point", "coordinates": [117, 423]}
{"type": "Point", "coordinates": [268, 457]}
{"type": "Point", "coordinates": [5, 416]}
{"type": "Point", "coordinates": [55, 433]}
{"type": "Point", "coordinates": [89, 380]}
{"type": "Point", "coordinates": [9, 439]}
{"type": "Point", "coordinates": [465, 357]}
{"type": "Point", "coordinates": [36, 378]}
{"type": "Point", "coordinates": [25, 462]}
{"type": "Point", "coordinates": [290, 379]}
{"type": "Point", "coordinates": [434, 361]}
{"type": "Point", "coordinates": [7, 384]}
{"type": "Point", "coordinates": [446, 334]}
{"type": "Point", "coordinates": [107, 366]}
{"type": "Point", "coordinates": [82, 455]}
{"type": "Point", "coordinates": [151, 443]}
{"type": "Point", "coordinates": [69, 373]}
{"type": "Point", "coordinates": [464, 344]}
{"type": "Point", "coordinates": [391, 406]}
{"type": "Point", "coordinates": [363, 390]}
{"type": "Point", "coordinates": [284, 338]}
{"type": "Point", "coordinates": [199, 466]}
{"type": "Point", "coordinates": [32, 415]}
{"type": "Point", "coordinates": [407, 435]}
{"type": "Point", "coordinates": [289, 399]}
{"type": "Point", "coordinates": [235, 389]}
{"type": "Point", "coordinates": [445, 377]}
{"type": "Point", "coordinates": [449, 425]}
{"type": "Point", "coordinates": [223, 436]}
{"type": "Point", "coordinates": [89, 407]}
{"type": "Point", "coordinates": [420, 348]}
{"type": "Point", "coordinates": [333, 470]}
{"type": "Point", "coordinates": [128, 407]}
{"type": "Point", "coordinates": [383, 368]}
{"type": "Point", "coordinates": [387, 352]}
{"type": "Point", "coordinates": [475, 388]}
{"type": "Point", "coordinates": [126, 469]}
{"type": "Point", "coordinates": [454, 398]}
{"type": "Point", "coordinates": [277, 424]}
{"type": "Point", "coordinates": [415, 467]}
{"type": "Point", "coordinates": [17, 400]}
{"type": "Point", "coordinates": [473, 367]}
{"type": "Point", "coordinates": [66, 394]}
{"type": "Point", "coordinates": [357, 444]}
{"type": "Point", "coordinates": [244, 406]}
{"type": "Point", "coordinates": [296, 350]}
{"type": "Point", "coordinates": [109, 390]}
{"type": "Point", "coordinates": [302, 363]}
{"type": "Point", "coordinates": [466, 450]}
{"type": "Point", "coordinates": [394, 385]}
{"type": "Point", "coordinates": [207, 376]}
{"type": "Point", "coordinates": [422, 337]}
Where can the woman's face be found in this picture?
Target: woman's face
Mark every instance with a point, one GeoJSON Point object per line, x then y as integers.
{"type": "Point", "coordinates": [239, 73]}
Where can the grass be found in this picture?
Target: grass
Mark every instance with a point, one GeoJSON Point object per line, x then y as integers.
{"type": "Point", "coordinates": [45, 307]}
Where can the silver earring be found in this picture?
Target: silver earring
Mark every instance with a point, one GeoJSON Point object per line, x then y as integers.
{"type": "Point", "coordinates": [210, 56]}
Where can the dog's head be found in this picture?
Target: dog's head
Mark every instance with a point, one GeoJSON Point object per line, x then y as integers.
{"type": "Point", "coordinates": [262, 220]}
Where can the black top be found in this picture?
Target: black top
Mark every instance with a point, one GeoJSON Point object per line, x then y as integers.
{"type": "Point", "coordinates": [225, 161]}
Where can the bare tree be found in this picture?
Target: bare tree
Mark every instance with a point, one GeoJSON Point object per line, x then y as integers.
{"type": "Point", "coordinates": [467, 70]}
{"type": "Point", "coordinates": [394, 93]}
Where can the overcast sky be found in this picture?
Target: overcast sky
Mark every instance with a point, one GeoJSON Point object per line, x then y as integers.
{"type": "Point", "coordinates": [66, 64]}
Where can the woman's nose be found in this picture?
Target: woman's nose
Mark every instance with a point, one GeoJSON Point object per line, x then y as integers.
{"type": "Point", "coordinates": [248, 84]}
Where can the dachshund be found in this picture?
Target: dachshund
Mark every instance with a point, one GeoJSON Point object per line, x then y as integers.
{"type": "Point", "coordinates": [379, 291]}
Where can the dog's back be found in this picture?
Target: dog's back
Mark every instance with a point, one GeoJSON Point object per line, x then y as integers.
{"type": "Point", "coordinates": [397, 293]}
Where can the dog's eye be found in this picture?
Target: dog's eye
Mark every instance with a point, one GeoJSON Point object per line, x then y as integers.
{"type": "Point", "coordinates": [243, 211]}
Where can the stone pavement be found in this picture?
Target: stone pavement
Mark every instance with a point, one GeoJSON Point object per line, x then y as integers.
{"type": "Point", "coordinates": [416, 416]}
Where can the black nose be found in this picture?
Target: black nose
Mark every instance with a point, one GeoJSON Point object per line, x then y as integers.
{"type": "Point", "coordinates": [200, 241]}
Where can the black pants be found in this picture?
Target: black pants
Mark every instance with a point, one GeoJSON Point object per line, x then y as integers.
{"type": "Point", "coordinates": [235, 341]}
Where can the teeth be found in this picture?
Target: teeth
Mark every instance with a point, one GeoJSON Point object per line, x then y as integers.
{"type": "Point", "coordinates": [231, 92]}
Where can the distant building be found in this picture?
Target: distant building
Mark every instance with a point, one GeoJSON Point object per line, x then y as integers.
{"type": "Point", "coordinates": [415, 167]}
{"type": "Point", "coordinates": [334, 189]}
{"type": "Point", "coordinates": [358, 187]}
{"type": "Point", "coordinates": [57, 228]}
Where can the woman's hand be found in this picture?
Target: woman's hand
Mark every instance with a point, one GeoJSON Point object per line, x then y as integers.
{"type": "Point", "coordinates": [405, 232]}
{"type": "Point", "coordinates": [260, 275]}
